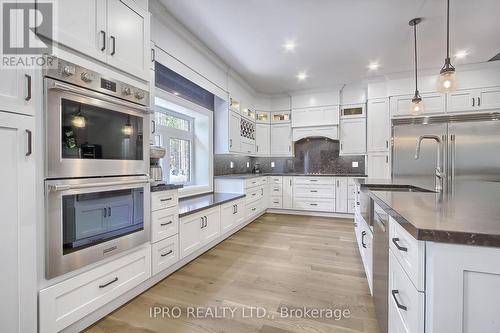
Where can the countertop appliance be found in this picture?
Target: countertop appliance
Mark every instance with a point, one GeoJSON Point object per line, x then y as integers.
{"type": "Point", "coordinates": [381, 266]}
{"type": "Point", "coordinates": [469, 147]}
{"type": "Point", "coordinates": [155, 169]}
{"type": "Point", "coordinates": [94, 126]}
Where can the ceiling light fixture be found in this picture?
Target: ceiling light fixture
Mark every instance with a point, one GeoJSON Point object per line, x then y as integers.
{"type": "Point", "coordinates": [461, 54]}
{"type": "Point", "coordinates": [302, 76]}
{"type": "Point", "coordinates": [289, 46]}
{"type": "Point", "coordinates": [373, 66]}
{"type": "Point", "coordinates": [447, 81]}
{"type": "Point", "coordinates": [417, 105]}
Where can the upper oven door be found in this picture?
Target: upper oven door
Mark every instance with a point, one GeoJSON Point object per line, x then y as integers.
{"type": "Point", "coordinates": [92, 134]}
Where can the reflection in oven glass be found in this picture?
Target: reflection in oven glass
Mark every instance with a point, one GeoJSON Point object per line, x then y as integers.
{"type": "Point", "coordinates": [90, 132]}
{"type": "Point", "coordinates": [93, 218]}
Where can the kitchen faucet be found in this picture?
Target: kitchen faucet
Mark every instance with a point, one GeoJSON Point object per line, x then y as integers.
{"type": "Point", "coordinates": [440, 175]}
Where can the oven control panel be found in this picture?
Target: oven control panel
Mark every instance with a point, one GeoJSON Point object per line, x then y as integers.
{"type": "Point", "coordinates": [86, 78]}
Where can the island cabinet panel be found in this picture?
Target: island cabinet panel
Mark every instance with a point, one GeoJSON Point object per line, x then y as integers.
{"type": "Point", "coordinates": [462, 288]}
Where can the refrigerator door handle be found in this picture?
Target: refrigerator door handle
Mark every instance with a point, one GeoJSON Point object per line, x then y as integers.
{"type": "Point", "coordinates": [452, 157]}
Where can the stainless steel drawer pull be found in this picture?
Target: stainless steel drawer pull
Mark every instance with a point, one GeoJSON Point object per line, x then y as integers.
{"type": "Point", "coordinates": [313, 204]}
{"type": "Point", "coordinates": [109, 249]}
{"type": "Point", "coordinates": [363, 234]}
{"type": "Point", "coordinates": [28, 82]}
{"type": "Point", "coordinates": [400, 248]}
{"type": "Point", "coordinates": [166, 223]}
{"type": "Point", "coordinates": [30, 142]}
{"type": "Point", "coordinates": [314, 191]}
{"type": "Point", "coordinates": [168, 199]}
{"type": "Point", "coordinates": [166, 254]}
{"type": "Point", "coordinates": [313, 180]}
{"type": "Point", "coordinates": [399, 305]}
{"type": "Point", "coordinates": [109, 283]}
{"type": "Point", "coordinates": [253, 209]}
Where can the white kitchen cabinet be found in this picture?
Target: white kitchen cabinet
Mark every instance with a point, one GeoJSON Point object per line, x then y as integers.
{"type": "Point", "coordinates": [379, 165]}
{"type": "Point", "coordinates": [341, 195]}
{"type": "Point", "coordinates": [198, 229]}
{"type": "Point", "coordinates": [378, 125]}
{"type": "Point", "coordinates": [353, 136]}
{"type": "Point", "coordinates": [18, 308]}
{"type": "Point", "coordinates": [111, 31]}
{"type": "Point", "coordinates": [434, 103]}
{"type": "Point", "coordinates": [164, 254]}
{"type": "Point", "coordinates": [364, 238]}
{"type": "Point", "coordinates": [234, 132]}
{"type": "Point", "coordinates": [73, 299]}
{"type": "Point", "coordinates": [262, 139]}
{"type": "Point", "coordinates": [227, 128]}
{"type": "Point", "coordinates": [474, 99]}
{"type": "Point", "coordinates": [81, 26]}
{"type": "Point", "coordinates": [317, 116]}
{"type": "Point", "coordinates": [164, 223]}
{"type": "Point", "coordinates": [287, 190]}
{"type": "Point", "coordinates": [281, 140]}
{"type": "Point", "coordinates": [232, 214]}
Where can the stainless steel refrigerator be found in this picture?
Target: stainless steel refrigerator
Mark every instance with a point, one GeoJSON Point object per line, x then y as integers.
{"type": "Point", "coordinates": [470, 148]}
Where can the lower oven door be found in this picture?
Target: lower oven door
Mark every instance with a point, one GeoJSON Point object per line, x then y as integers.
{"type": "Point", "coordinates": [90, 134]}
{"type": "Point", "coordinates": [90, 219]}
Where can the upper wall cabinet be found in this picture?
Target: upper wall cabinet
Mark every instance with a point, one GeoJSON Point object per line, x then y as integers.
{"type": "Point", "coordinates": [112, 31]}
{"type": "Point", "coordinates": [353, 136]}
{"type": "Point", "coordinates": [318, 116]}
{"type": "Point", "coordinates": [434, 103]}
{"type": "Point", "coordinates": [315, 99]}
{"type": "Point", "coordinates": [474, 100]}
{"type": "Point", "coordinates": [378, 125]}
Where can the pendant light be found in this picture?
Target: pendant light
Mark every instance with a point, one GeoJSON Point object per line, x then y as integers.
{"type": "Point", "coordinates": [78, 120]}
{"type": "Point", "coordinates": [417, 105]}
{"type": "Point", "coordinates": [128, 130]}
{"type": "Point", "coordinates": [447, 81]}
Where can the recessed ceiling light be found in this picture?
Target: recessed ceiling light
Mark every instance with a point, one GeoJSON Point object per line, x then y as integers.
{"type": "Point", "coordinates": [461, 54]}
{"type": "Point", "coordinates": [373, 66]}
{"type": "Point", "coordinates": [302, 76]}
{"type": "Point", "coordinates": [289, 46]}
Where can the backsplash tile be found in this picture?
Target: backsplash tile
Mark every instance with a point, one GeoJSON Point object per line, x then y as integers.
{"type": "Point", "coordinates": [314, 155]}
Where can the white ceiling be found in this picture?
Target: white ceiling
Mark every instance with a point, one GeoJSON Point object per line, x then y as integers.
{"type": "Point", "coordinates": [336, 39]}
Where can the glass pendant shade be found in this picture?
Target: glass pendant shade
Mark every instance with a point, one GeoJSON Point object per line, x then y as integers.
{"type": "Point", "coordinates": [416, 105]}
{"type": "Point", "coordinates": [78, 121]}
{"type": "Point", "coordinates": [447, 80]}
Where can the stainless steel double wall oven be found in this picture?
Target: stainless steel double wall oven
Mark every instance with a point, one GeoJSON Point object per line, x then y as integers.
{"type": "Point", "coordinates": [96, 167]}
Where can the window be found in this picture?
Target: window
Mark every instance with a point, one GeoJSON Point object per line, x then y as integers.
{"type": "Point", "coordinates": [175, 134]}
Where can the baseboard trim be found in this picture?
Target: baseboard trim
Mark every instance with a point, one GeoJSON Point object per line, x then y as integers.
{"type": "Point", "coordinates": [309, 213]}
{"type": "Point", "coordinates": [131, 294]}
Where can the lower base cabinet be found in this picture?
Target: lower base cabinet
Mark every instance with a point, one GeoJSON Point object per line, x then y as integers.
{"type": "Point", "coordinates": [198, 229]}
{"type": "Point", "coordinates": [232, 214]}
{"type": "Point", "coordinates": [71, 300]}
{"type": "Point", "coordinates": [164, 253]}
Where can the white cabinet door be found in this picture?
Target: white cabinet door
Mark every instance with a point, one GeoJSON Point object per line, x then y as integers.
{"type": "Point", "coordinates": [262, 139]}
{"type": "Point", "coordinates": [287, 192]}
{"type": "Point", "coordinates": [190, 234]}
{"type": "Point", "coordinates": [378, 125]}
{"type": "Point", "coordinates": [127, 26]}
{"type": "Point", "coordinates": [120, 213]}
{"type": "Point", "coordinates": [379, 165]}
{"type": "Point", "coordinates": [232, 214]}
{"type": "Point", "coordinates": [281, 136]}
{"type": "Point", "coordinates": [434, 103]}
{"type": "Point", "coordinates": [211, 230]}
{"type": "Point", "coordinates": [234, 132]}
{"type": "Point", "coordinates": [462, 100]}
{"type": "Point", "coordinates": [319, 116]}
{"type": "Point", "coordinates": [92, 215]}
{"type": "Point", "coordinates": [81, 25]}
{"type": "Point", "coordinates": [353, 136]}
{"type": "Point", "coordinates": [18, 308]}
{"type": "Point", "coordinates": [341, 195]}
{"type": "Point", "coordinates": [489, 98]}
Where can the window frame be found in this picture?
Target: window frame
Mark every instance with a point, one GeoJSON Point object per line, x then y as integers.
{"type": "Point", "coordinates": [167, 133]}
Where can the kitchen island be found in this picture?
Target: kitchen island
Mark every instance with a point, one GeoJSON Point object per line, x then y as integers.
{"type": "Point", "coordinates": [438, 279]}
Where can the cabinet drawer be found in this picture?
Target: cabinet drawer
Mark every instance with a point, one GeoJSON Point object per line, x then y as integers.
{"type": "Point", "coordinates": [71, 300]}
{"type": "Point", "coordinates": [253, 182]}
{"type": "Point", "coordinates": [322, 205]}
{"type": "Point", "coordinates": [351, 206]}
{"type": "Point", "coordinates": [254, 208]}
{"type": "Point", "coordinates": [164, 223]}
{"type": "Point", "coordinates": [165, 253]}
{"type": "Point", "coordinates": [254, 194]}
{"type": "Point", "coordinates": [314, 191]}
{"type": "Point", "coordinates": [276, 202]}
{"type": "Point", "coordinates": [276, 180]}
{"type": "Point", "coordinates": [276, 189]}
{"type": "Point", "coordinates": [406, 304]}
{"type": "Point", "coordinates": [314, 180]}
{"type": "Point", "coordinates": [247, 147]}
{"type": "Point", "coordinates": [409, 252]}
{"type": "Point", "coordinates": [164, 199]}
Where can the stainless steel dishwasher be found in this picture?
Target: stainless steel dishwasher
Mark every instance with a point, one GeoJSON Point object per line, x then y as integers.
{"type": "Point", "coordinates": [381, 265]}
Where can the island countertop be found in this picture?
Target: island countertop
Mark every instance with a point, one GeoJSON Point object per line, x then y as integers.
{"type": "Point", "coordinates": [470, 214]}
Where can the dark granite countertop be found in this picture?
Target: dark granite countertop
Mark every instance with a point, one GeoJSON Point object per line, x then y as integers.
{"type": "Point", "coordinates": [160, 186]}
{"type": "Point", "coordinates": [253, 175]}
{"type": "Point", "coordinates": [191, 205]}
{"type": "Point", "coordinates": [470, 214]}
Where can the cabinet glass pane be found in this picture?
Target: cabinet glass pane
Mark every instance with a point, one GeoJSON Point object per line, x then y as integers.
{"type": "Point", "coordinates": [97, 217]}
{"type": "Point", "coordinates": [281, 116]}
{"type": "Point", "coordinates": [352, 111]}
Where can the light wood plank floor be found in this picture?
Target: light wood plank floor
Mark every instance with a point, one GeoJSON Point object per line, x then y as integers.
{"type": "Point", "coordinates": [278, 261]}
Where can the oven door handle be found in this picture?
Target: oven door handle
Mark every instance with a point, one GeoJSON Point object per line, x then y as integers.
{"type": "Point", "coordinates": [85, 92]}
{"type": "Point", "coordinates": [57, 188]}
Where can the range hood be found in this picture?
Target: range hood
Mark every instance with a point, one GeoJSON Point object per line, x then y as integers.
{"type": "Point", "coordinates": [330, 132]}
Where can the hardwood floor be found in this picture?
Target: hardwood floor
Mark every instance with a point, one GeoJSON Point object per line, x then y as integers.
{"type": "Point", "coordinates": [277, 262]}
